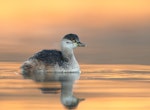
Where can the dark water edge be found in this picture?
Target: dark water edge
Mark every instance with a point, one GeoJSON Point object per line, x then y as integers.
{"type": "Point", "coordinates": [103, 87]}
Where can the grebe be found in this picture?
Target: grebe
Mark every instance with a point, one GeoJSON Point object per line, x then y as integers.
{"type": "Point", "coordinates": [54, 60]}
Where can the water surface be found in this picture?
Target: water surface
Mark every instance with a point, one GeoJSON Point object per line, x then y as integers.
{"type": "Point", "coordinates": [103, 87]}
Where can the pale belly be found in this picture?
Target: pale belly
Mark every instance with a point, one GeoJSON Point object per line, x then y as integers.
{"type": "Point", "coordinates": [70, 68]}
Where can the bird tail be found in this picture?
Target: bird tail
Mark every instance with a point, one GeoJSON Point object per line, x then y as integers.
{"type": "Point", "coordinates": [27, 68]}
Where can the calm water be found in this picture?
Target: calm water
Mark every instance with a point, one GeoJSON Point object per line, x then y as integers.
{"type": "Point", "coordinates": [98, 87]}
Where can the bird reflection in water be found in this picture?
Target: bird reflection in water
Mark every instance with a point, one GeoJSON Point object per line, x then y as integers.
{"type": "Point", "coordinates": [67, 81]}
{"type": "Point", "coordinates": [44, 65]}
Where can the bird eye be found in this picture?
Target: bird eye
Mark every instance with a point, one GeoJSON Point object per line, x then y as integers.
{"type": "Point", "coordinates": [67, 42]}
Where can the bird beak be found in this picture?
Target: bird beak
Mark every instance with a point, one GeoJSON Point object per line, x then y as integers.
{"type": "Point", "coordinates": [80, 44]}
{"type": "Point", "coordinates": [81, 99]}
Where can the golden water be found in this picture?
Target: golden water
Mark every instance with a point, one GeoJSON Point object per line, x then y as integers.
{"type": "Point", "coordinates": [104, 87]}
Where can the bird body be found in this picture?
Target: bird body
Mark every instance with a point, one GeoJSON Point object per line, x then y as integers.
{"type": "Point", "coordinates": [54, 60]}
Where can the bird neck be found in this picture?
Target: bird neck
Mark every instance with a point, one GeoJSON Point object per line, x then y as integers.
{"type": "Point", "coordinates": [68, 53]}
{"type": "Point", "coordinates": [69, 57]}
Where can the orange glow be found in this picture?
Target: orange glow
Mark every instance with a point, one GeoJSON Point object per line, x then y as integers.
{"type": "Point", "coordinates": [33, 13]}
{"type": "Point", "coordinates": [17, 93]}
{"type": "Point", "coordinates": [38, 21]}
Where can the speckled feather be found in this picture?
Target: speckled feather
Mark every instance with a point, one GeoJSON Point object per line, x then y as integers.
{"type": "Point", "coordinates": [50, 57]}
{"type": "Point", "coordinates": [53, 57]}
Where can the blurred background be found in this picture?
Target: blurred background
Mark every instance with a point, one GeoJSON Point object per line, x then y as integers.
{"type": "Point", "coordinates": [115, 31]}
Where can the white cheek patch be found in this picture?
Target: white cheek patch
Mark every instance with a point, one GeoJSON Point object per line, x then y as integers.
{"type": "Point", "coordinates": [75, 44]}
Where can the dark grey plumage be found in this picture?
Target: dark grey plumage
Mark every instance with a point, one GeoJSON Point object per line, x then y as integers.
{"type": "Point", "coordinates": [72, 37]}
{"type": "Point", "coordinates": [50, 57]}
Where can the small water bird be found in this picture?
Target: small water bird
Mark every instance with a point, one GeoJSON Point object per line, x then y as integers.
{"type": "Point", "coordinates": [54, 60]}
